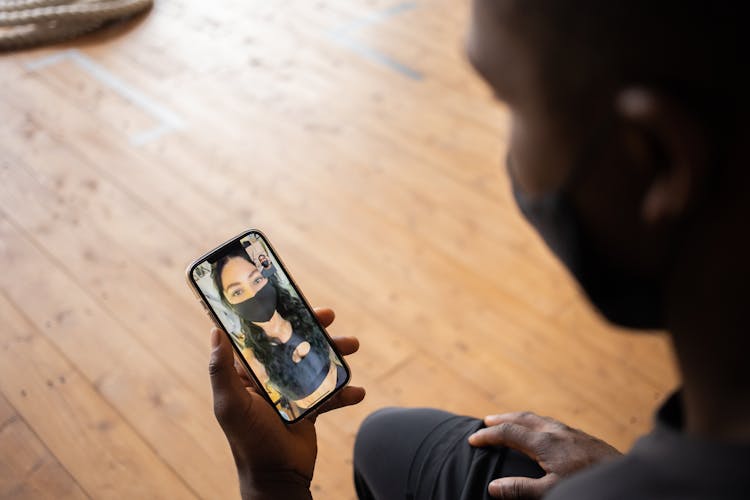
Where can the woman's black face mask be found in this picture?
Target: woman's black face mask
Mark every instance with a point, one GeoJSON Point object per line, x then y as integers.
{"type": "Point", "coordinates": [260, 307]}
{"type": "Point", "coordinates": [624, 300]}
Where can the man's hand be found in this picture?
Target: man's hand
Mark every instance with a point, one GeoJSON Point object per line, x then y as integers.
{"type": "Point", "coordinates": [557, 448]}
{"type": "Point", "coordinates": [274, 460]}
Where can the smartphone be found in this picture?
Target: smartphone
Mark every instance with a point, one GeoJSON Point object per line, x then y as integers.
{"type": "Point", "coordinates": [248, 293]}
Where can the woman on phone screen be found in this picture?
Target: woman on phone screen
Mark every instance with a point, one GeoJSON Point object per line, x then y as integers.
{"type": "Point", "coordinates": [278, 330]}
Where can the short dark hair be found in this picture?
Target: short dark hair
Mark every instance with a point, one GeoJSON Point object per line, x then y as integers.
{"type": "Point", "coordinates": [693, 50]}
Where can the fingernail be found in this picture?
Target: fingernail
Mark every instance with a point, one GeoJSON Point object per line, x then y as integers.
{"type": "Point", "coordinates": [215, 339]}
{"type": "Point", "coordinates": [491, 419]}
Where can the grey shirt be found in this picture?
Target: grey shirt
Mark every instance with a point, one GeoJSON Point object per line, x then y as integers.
{"type": "Point", "coordinates": [666, 464]}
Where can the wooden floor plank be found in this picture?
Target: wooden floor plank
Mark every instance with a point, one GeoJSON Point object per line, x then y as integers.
{"type": "Point", "coordinates": [7, 412]}
{"type": "Point", "coordinates": [175, 422]}
{"type": "Point", "coordinates": [104, 455]}
{"type": "Point", "coordinates": [30, 472]}
{"type": "Point", "coordinates": [27, 468]}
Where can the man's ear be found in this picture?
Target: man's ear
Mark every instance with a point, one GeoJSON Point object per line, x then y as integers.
{"type": "Point", "coordinates": [666, 139]}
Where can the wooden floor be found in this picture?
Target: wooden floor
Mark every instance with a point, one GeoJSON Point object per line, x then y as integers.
{"type": "Point", "coordinates": [356, 136]}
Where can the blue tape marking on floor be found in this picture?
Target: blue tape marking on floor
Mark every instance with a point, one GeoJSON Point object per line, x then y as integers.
{"type": "Point", "coordinates": [147, 136]}
{"type": "Point", "coordinates": [379, 57]}
{"type": "Point", "coordinates": [47, 61]}
{"type": "Point", "coordinates": [169, 121]}
{"type": "Point", "coordinates": [376, 17]}
{"type": "Point", "coordinates": [343, 36]}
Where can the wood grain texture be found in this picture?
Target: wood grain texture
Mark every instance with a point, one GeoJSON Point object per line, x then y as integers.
{"type": "Point", "coordinates": [356, 136]}
{"type": "Point", "coordinates": [104, 455]}
{"type": "Point", "coordinates": [27, 468]}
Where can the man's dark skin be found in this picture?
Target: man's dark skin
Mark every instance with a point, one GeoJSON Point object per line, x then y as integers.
{"type": "Point", "coordinates": [667, 200]}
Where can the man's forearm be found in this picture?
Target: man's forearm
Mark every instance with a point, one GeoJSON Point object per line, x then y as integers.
{"type": "Point", "coordinates": [285, 491]}
{"type": "Point", "coordinates": [274, 489]}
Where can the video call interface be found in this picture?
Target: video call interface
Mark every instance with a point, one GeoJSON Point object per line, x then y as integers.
{"type": "Point", "coordinates": [269, 323]}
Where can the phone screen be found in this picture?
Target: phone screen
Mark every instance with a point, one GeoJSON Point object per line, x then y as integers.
{"type": "Point", "coordinates": [270, 323]}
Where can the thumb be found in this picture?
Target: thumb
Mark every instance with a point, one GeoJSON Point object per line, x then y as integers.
{"type": "Point", "coordinates": [521, 488]}
{"type": "Point", "coordinates": [231, 401]}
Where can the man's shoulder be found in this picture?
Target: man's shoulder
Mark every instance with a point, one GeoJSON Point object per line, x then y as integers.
{"type": "Point", "coordinates": [666, 464]}
{"type": "Point", "coordinates": [625, 477]}
{"type": "Point", "coordinates": [631, 477]}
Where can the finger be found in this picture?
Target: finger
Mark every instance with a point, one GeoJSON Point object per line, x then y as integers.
{"type": "Point", "coordinates": [347, 396]}
{"type": "Point", "coordinates": [514, 436]}
{"type": "Point", "coordinates": [230, 397]}
{"type": "Point", "coordinates": [525, 418]}
{"type": "Point", "coordinates": [325, 316]}
{"type": "Point", "coordinates": [520, 488]}
{"type": "Point", "coordinates": [346, 345]}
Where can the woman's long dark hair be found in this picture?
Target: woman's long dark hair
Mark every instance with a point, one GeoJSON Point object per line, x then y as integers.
{"type": "Point", "coordinates": [290, 308]}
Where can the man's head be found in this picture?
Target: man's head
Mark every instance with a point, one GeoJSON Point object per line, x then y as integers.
{"type": "Point", "coordinates": [633, 111]}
